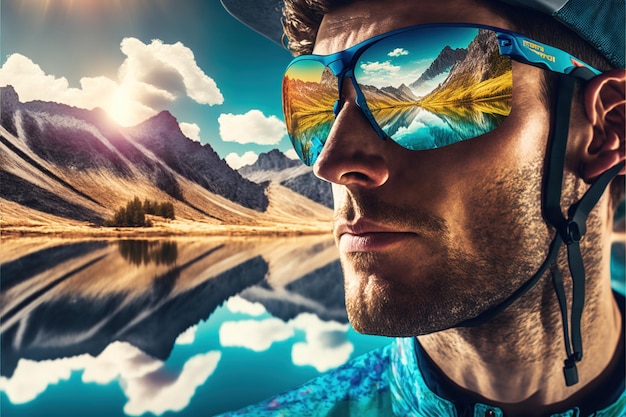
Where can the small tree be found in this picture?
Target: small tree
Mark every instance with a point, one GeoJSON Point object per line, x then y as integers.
{"type": "Point", "coordinates": [119, 219]}
{"type": "Point", "coordinates": [166, 210]}
{"type": "Point", "coordinates": [134, 214]}
{"type": "Point", "coordinates": [149, 206]}
{"type": "Point", "coordinates": [170, 211]}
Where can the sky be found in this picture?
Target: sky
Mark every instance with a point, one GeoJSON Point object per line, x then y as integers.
{"type": "Point", "coordinates": [134, 58]}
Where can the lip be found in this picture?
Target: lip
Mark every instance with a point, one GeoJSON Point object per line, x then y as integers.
{"type": "Point", "coordinates": [367, 236]}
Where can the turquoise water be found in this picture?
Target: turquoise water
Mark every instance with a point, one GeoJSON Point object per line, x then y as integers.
{"type": "Point", "coordinates": [242, 377]}
{"type": "Point", "coordinates": [86, 332]}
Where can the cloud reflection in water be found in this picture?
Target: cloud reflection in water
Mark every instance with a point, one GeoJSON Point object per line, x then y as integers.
{"type": "Point", "coordinates": [147, 384]}
{"type": "Point", "coordinates": [325, 347]}
{"type": "Point", "coordinates": [165, 319]}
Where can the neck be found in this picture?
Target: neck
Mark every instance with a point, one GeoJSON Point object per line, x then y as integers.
{"type": "Point", "coordinates": [516, 360]}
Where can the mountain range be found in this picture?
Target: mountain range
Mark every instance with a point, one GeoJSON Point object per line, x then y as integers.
{"type": "Point", "coordinates": [66, 165]}
{"type": "Point", "coordinates": [275, 166]}
{"type": "Point", "coordinates": [481, 75]}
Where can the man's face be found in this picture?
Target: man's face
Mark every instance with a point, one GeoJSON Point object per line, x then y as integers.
{"type": "Point", "coordinates": [430, 238]}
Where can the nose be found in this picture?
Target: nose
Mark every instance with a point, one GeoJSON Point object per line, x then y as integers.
{"type": "Point", "coordinates": [353, 154]}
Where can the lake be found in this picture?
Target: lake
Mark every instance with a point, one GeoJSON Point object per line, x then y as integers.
{"type": "Point", "coordinates": [175, 327]}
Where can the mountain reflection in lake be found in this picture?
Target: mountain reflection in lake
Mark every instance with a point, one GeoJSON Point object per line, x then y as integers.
{"type": "Point", "coordinates": [181, 326]}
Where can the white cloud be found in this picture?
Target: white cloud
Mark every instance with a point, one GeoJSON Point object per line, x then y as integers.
{"type": "Point", "coordinates": [168, 67]}
{"type": "Point", "coordinates": [252, 127]}
{"type": "Point", "coordinates": [161, 392]}
{"type": "Point", "coordinates": [326, 345]}
{"type": "Point", "coordinates": [292, 154]}
{"type": "Point", "coordinates": [32, 83]}
{"type": "Point", "coordinates": [148, 386]}
{"type": "Point", "coordinates": [187, 337]}
{"type": "Point", "coordinates": [256, 335]}
{"type": "Point", "coordinates": [149, 79]}
{"type": "Point", "coordinates": [381, 74]}
{"type": "Point", "coordinates": [235, 161]}
{"type": "Point", "coordinates": [191, 130]}
{"type": "Point", "coordinates": [31, 378]}
{"type": "Point", "coordinates": [315, 353]}
{"type": "Point", "coordinates": [398, 52]}
{"type": "Point", "coordinates": [238, 304]}
{"type": "Point", "coordinates": [120, 360]}
{"type": "Point", "coordinates": [377, 67]}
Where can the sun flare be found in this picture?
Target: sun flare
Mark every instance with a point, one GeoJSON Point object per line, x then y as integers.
{"type": "Point", "coordinates": [82, 8]}
{"type": "Point", "coordinates": [77, 4]}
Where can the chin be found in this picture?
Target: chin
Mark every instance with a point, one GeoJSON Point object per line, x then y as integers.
{"type": "Point", "coordinates": [416, 305]}
{"type": "Point", "coordinates": [387, 308]}
{"type": "Point", "coordinates": [389, 325]}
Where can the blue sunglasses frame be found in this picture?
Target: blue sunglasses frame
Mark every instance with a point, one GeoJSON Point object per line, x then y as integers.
{"type": "Point", "coordinates": [512, 45]}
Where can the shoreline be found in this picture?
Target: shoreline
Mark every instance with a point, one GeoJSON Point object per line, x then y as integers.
{"type": "Point", "coordinates": [160, 231]}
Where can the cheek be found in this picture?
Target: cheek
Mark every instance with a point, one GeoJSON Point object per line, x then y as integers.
{"type": "Point", "coordinates": [519, 142]}
{"type": "Point", "coordinates": [522, 137]}
{"type": "Point", "coordinates": [494, 181]}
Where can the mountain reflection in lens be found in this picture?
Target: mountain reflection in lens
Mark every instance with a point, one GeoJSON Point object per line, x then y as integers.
{"type": "Point", "coordinates": [309, 96]}
{"type": "Point", "coordinates": [453, 87]}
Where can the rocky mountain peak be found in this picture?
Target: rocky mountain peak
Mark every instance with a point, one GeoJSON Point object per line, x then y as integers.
{"type": "Point", "coordinates": [273, 160]}
{"type": "Point", "coordinates": [444, 61]}
{"type": "Point", "coordinates": [292, 174]}
{"type": "Point", "coordinates": [162, 122]}
{"type": "Point", "coordinates": [9, 101]}
{"type": "Point", "coordinates": [8, 95]}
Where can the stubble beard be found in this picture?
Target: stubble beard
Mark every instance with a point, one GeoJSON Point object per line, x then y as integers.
{"type": "Point", "coordinates": [509, 245]}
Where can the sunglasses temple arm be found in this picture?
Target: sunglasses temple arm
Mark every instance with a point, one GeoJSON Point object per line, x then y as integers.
{"type": "Point", "coordinates": [544, 56]}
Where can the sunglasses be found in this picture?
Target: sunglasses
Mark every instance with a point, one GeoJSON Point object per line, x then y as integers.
{"type": "Point", "coordinates": [424, 87]}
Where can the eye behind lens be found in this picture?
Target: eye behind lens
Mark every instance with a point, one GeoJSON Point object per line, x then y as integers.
{"type": "Point", "coordinates": [431, 87]}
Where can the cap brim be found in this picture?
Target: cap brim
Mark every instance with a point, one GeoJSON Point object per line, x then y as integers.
{"type": "Point", "coordinates": [263, 16]}
{"type": "Point", "coordinates": [606, 34]}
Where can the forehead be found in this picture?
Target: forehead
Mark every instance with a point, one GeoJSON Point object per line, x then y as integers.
{"type": "Point", "coordinates": [364, 19]}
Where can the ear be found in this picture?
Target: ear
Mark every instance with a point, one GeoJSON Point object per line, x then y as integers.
{"type": "Point", "coordinates": [605, 103]}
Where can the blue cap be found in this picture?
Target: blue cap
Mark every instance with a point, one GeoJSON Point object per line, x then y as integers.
{"type": "Point", "coordinates": [602, 23]}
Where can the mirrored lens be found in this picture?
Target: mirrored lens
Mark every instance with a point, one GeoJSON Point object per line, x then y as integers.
{"type": "Point", "coordinates": [433, 87]}
{"type": "Point", "coordinates": [309, 96]}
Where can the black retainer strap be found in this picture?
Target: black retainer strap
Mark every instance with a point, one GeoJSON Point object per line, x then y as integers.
{"type": "Point", "coordinates": [570, 230]}
{"type": "Point", "coordinates": [571, 233]}
{"type": "Point", "coordinates": [552, 209]}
